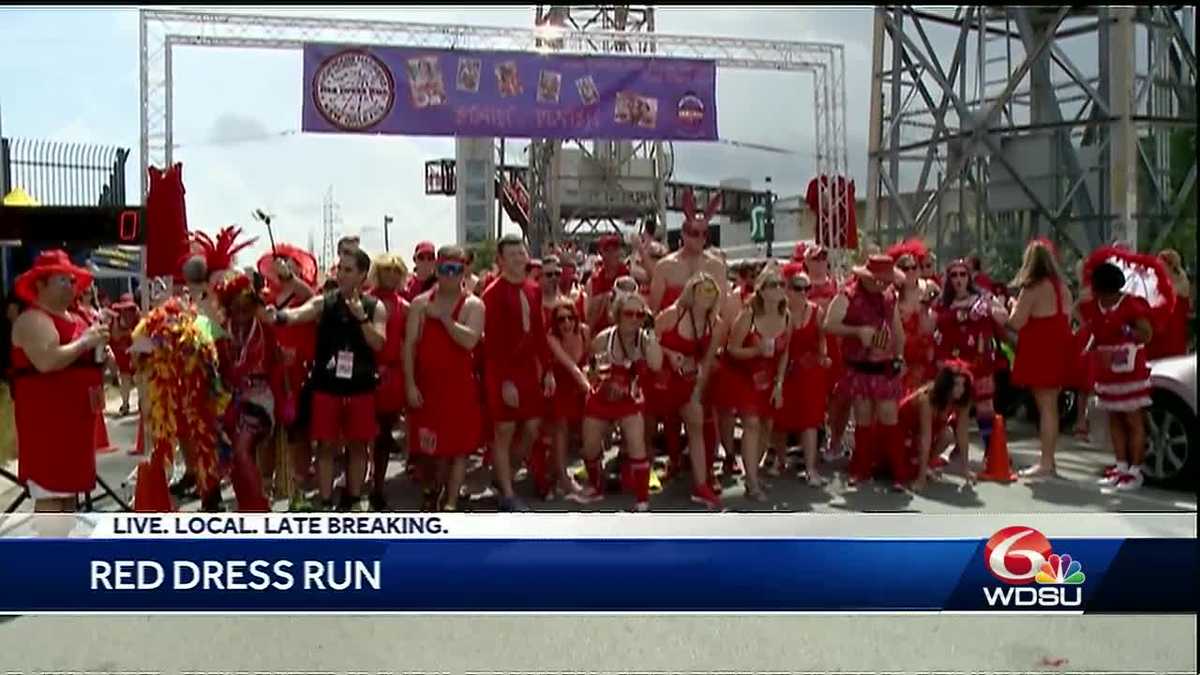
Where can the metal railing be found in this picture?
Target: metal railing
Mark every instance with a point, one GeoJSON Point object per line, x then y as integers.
{"type": "Point", "coordinates": [64, 174]}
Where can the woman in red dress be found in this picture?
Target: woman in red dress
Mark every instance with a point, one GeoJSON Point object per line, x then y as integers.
{"type": "Point", "coordinates": [621, 355]}
{"type": "Point", "coordinates": [757, 346]}
{"type": "Point", "coordinates": [1121, 326]}
{"type": "Point", "coordinates": [928, 415]}
{"type": "Point", "coordinates": [802, 409]}
{"type": "Point", "coordinates": [1174, 339]}
{"type": "Point", "coordinates": [969, 320]}
{"type": "Point", "coordinates": [686, 331]}
{"type": "Point", "coordinates": [1043, 328]}
{"type": "Point", "coordinates": [915, 315]}
{"type": "Point", "coordinates": [445, 325]}
{"type": "Point", "coordinates": [568, 339]}
{"type": "Point", "coordinates": [825, 287]}
{"type": "Point", "coordinates": [388, 276]}
{"type": "Point", "coordinates": [126, 319]}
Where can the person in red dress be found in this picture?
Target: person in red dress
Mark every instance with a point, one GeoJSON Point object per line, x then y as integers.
{"type": "Point", "coordinates": [1042, 321]}
{"type": "Point", "coordinates": [290, 273]}
{"type": "Point", "coordinates": [388, 274]}
{"type": "Point", "coordinates": [517, 377]}
{"type": "Point", "coordinates": [57, 384]}
{"type": "Point", "coordinates": [539, 463]}
{"type": "Point", "coordinates": [423, 277]}
{"type": "Point", "coordinates": [251, 370]}
{"type": "Point", "coordinates": [445, 325]}
{"type": "Point", "coordinates": [802, 409]}
{"type": "Point", "coordinates": [1121, 326]}
{"type": "Point", "coordinates": [825, 287]}
{"type": "Point", "coordinates": [915, 315]}
{"type": "Point", "coordinates": [621, 356]}
{"type": "Point", "coordinates": [932, 417]}
{"type": "Point", "coordinates": [87, 307]}
{"type": "Point", "coordinates": [1174, 338]}
{"type": "Point", "coordinates": [688, 336]}
{"type": "Point", "coordinates": [600, 285]}
{"type": "Point", "coordinates": [865, 315]}
{"type": "Point", "coordinates": [758, 344]}
{"type": "Point", "coordinates": [125, 320]}
{"type": "Point", "coordinates": [569, 342]}
{"type": "Point", "coordinates": [969, 322]}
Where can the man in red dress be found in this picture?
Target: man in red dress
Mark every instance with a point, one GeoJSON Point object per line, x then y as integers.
{"type": "Point", "coordinates": [423, 277]}
{"type": "Point", "coordinates": [517, 377]}
{"type": "Point", "coordinates": [57, 384]}
{"type": "Point", "coordinates": [600, 286]}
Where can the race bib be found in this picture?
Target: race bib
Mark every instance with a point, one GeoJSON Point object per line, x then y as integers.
{"type": "Point", "coordinates": [344, 368]}
{"type": "Point", "coordinates": [1123, 359]}
{"type": "Point", "coordinates": [428, 440]}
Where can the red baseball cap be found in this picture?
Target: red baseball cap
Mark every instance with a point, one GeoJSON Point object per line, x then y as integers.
{"type": "Point", "coordinates": [609, 241]}
{"type": "Point", "coordinates": [425, 247]}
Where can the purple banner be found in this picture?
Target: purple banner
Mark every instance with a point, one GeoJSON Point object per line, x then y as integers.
{"type": "Point", "coordinates": [424, 92]}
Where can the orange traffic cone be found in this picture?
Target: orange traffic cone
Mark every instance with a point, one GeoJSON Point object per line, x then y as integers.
{"type": "Point", "coordinates": [100, 437]}
{"type": "Point", "coordinates": [140, 447]}
{"type": "Point", "coordinates": [999, 469]}
{"type": "Point", "coordinates": [150, 493]}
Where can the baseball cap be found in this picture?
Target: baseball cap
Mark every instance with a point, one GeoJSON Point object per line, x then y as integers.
{"type": "Point", "coordinates": [425, 247]}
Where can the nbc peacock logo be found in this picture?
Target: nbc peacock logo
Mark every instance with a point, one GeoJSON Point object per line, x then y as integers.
{"type": "Point", "coordinates": [1020, 555]}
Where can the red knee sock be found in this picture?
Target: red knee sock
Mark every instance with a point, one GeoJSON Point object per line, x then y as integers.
{"type": "Point", "coordinates": [892, 443]}
{"type": "Point", "coordinates": [539, 460]}
{"type": "Point", "coordinates": [247, 484]}
{"type": "Point", "coordinates": [595, 474]}
{"type": "Point", "coordinates": [863, 459]}
{"type": "Point", "coordinates": [674, 447]}
{"type": "Point", "coordinates": [639, 475]}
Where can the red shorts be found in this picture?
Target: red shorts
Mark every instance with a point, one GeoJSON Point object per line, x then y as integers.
{"type": "Point", "coordinates": [349, 419]}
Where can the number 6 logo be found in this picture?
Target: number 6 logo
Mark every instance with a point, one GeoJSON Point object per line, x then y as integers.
{"type": "Point", "coordinates": [1014, 554]}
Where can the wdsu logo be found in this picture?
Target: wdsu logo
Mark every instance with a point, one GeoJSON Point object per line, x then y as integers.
{"type": "Point", "coordinates": [1020, 556]}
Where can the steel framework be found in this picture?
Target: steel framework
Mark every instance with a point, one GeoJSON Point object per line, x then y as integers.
{"type": "Point", "coordinates": [162, 30]}
{"type": "Point", "coordinates": [977, 122]}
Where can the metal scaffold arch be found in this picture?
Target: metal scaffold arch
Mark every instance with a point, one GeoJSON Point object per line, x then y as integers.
{"type": "Point", "coordinates": [161, 31]}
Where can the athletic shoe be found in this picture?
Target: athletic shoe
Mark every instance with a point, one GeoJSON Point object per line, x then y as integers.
{"type": "Point", "coordinates": [1109, 480]}
{"type": "Point", "coordinates": [938, 462]}
{"type": "Point", "coordinates": [1129, 481]}
{"type": "Point", "coordinates": [641, 507]}
{"type": "Point", "coordinates": [816, 480]}
{"type": "Point", "coordinates": [704, 495]}
{"type": "Point", "coordinates": [1110, 471]}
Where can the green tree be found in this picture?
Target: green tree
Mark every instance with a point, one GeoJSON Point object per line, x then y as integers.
{"type": "Point", "coordinates": [485, 255]}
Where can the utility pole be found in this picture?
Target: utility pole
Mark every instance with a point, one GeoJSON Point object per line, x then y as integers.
{"type": "Point", "coordinates": [770, 221]}
{"type": "Point", "coordinates": [387, 220]}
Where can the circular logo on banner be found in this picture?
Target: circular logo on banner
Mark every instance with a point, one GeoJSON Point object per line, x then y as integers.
{"type": "Point", "coordinates": [353, 90]}
{"type": "Point", "coordinates": [1016, 554]}
{"type": "Point", "coordinates": [690, 113]}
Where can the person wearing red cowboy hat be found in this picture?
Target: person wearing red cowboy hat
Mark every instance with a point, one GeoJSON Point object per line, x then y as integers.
{"type": "Point", "coordinates": [969, 322]}
{"type": "Point", "coordinates": [291, 274]}
{"type": "Point", "coordinates": [57, 384]}
{"type": "Point", "coordinates": [600, 286]}
{"type": "Point", "coordinates": [424, 275]}
{"type": "Point", "coordinates": [126, 311]}
{"type": "Point", "coordinates": [867, 317]}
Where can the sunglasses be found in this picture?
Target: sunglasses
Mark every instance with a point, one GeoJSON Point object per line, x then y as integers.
{"type": "Point", "coordinates": [959, 275]}
{"type": "Point", "coordinates": [906, 268]}
{"type": "Point", "coordinates": [450, 269]}
{"type": "Point", "coordinates": [551, 275]}
{"type": "Point", "coordinates": [801, 288]}
{"type": "Point", "coordinates": [695, 232]}
{"type": "Point", "coordinates": [566, 318]}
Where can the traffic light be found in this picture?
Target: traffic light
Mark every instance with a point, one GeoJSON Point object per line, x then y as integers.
{"type": "Point", "coordinates": [758, 224]}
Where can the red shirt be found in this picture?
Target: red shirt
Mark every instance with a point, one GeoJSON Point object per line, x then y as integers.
{"type": "Point", "coordinates": [507, 346]}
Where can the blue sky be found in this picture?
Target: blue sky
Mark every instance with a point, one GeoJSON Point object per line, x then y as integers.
{"type": "Point", "coordinates": [72, 75]}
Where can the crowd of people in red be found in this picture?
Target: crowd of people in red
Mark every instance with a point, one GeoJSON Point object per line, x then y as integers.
{"type": "Point", "coordinates": [538, 357]}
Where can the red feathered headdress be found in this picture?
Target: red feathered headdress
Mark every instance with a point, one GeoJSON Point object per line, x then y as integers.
{"type": "Point", "coordinates": [1145, 277]}
{"type": "Point", "coordinates": [689, 209]}
{"type": "Point", "coordinates": [233, 286]}
{"type": "Point", "coordinates": [913, 247]}
{"type": "Point", "coordinates": [218, 254]}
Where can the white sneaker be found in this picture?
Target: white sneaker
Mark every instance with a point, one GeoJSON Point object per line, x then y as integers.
{"type": "Point", "coordinates": [1109, 480]}
{"type": "Point", "coordinates": [1129, 481]}
{"type": "Point", "coordinates": [641, 507]}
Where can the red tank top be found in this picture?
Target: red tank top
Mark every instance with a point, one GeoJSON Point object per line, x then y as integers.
{"type": "Point", "coordinates": [804, 347]}
{"type": "Point", "coordinates": [966, 332]}
{"type": "Point", "coordinates": [866, 309]}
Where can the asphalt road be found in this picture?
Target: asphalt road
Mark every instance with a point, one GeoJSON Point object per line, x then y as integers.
{"type": "Point", "coordinates": [459, 644]}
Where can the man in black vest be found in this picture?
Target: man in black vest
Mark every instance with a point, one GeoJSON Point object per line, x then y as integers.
{"type": "Point", "coordinates": [351, 328]}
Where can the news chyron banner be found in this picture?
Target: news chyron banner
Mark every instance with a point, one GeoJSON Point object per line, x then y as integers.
{"type": "Point", "coordinates": [579, 563]}
{"type": "Point", "coordinates": [430, 92]}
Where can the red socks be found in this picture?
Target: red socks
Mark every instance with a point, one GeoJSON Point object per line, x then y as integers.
{"type": "Point", "coordinates": [639, 470]}
{"type": "Point", "coordinates": [247, 484]}
{"type": "Point", "coordinates": [893, 446]}
{"type": "Point", "coordinates": [595, 474]}
{"type": "Point", "coordinates": [674, 449]}
{"type": "Point", "coordinates": [863, 459]}
{"type": "Point", "coordinates": [539, 465]}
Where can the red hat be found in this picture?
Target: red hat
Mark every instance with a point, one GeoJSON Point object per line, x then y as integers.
{"type": "Point", "coordinates": [881, 268]}
{"type": "Point", "coordinates": [303, 259]}
{"type": "Point", "coordinates": [233, 286]}
{"type": "Point", "coordinates": [608, 241]}
{"type": "Point", "coordinates": [798, 252]}
{"type": "Point", "coordinates": [49, 263]}
{"type": "Point", "coordinates": [425, 247]}
{"type": "Point", "coordinates": [125, 302]}
{"type": "Point", "coordinates": [912, 247]}
{"type": "Point", "coordinates": [218, 253]}
{"type": "Point", "coordinates": [792, 269]}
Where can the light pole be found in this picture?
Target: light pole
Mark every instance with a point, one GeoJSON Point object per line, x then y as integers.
{"type": "Point", "coordinates": [770, 224]}
{"type": "Point", "coordinates": [387, 220]}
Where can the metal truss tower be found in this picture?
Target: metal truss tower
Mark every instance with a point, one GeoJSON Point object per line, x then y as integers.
{"type": "Point", "coordinates": [331, 223]}
{"type": "Point", "coordinates": [604, 199]}
{"type": "Point", "coordinates": [991, 125]}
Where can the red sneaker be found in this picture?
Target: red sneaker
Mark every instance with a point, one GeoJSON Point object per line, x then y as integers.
{"type": "Point", "coordinates": [704, 495]}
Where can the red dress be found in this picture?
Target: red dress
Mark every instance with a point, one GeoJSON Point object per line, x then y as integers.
{"type": "Point", "coordinates": [1172, 339]}
{"type": "Point", "coordinates": [918, 350]}
{"type": "Point", "coordinates": [969, 334]}
{"type": "Point", "coordinates": [823, 294]}
{"type": "Point", "coordinates": [298, 345]}
{"type": "Point", "coordinates": [56, 415]}
{"type": "Point", "coordinates": [449, 422]}
{"type": "Point", "coordinates": [804, 389]}
{"type": "Point", "coordinates": [910, 427]}
{"type": "Point", "coordinates": [251, 372]}
{"type": "Point", "coordinates": [1119, 362]}
{"type": "Point", "coordinates": [671, 389]}
{"type": "Point", "coordinates": [390, 396]}
{"type": "Point", "coordinates": [751, 381]}
{"type": "Point", "coordinates": [512, 352]}
{"type": "Point", "coordinates": [1040, 362]}
{"type": "Point", "coordinates": [616, 392]}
